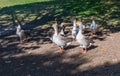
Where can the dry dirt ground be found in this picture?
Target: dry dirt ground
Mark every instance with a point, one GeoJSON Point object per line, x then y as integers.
{"type": "Point", "coordinates": [36, 59]}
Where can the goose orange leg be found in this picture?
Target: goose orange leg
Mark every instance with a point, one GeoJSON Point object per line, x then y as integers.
{"type": "Point", "coordinates": [21, 41]}
{"type": "Point", "coordinates": [84, 50]}
{"type": "Point", "coordinates": [93, 32]}
{"type": "Point", "coordinates": [26, 38]}
{"type": "Point", "coordinates": [61, 50]}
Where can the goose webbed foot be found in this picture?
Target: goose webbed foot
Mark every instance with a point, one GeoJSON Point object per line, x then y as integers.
{"type": "Point", "coordinates": [21, 41]}
{"type": "Point", "coordinates": [84, 51]}
{"type": "Point", "coordinates": [61, 50]}
{"type": "Point", "coordinates": [93, 33]}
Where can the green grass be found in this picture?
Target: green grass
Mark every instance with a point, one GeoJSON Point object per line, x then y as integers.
{"type": "Point", "coordinates": [7, 3]}
{"type": "Point", "coordinates": [40, 12]}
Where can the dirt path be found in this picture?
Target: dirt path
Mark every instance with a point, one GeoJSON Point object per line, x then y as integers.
{"type": "Point", "coordinates": [35, 59]}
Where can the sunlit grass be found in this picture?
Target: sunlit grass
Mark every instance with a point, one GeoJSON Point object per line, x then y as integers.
{"type": "Point", "coordinates": [39, 10]}
{"type": "Point", "coordinates": [7, 3]}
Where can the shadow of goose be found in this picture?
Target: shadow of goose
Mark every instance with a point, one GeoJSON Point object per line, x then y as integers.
{"type": "Point", "coordinates": [92, 47]}
{"type": "Point", "coordinates": [71, 47]}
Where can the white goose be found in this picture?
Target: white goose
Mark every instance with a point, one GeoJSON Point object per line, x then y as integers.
{"type": "Point", "coordinates": [59, 40]}
{"type": "Point", "coordinates": [82, 40]}
{"type": "Point", "coordinates": [93, 26]}
{"type": "Point", "coordinates": [83, 26]}
{"type": "Point", "coordinates": [22, 34]}
{"type": "Point", "coordinates": [75, 29]}
{"type": "Point", "coordinates": [62, 29]}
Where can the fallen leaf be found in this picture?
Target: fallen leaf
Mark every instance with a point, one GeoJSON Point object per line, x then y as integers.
{"type": "Point", "coordinates": [102, 49]}
{"type": "Point", "coordinates": [102, 62]}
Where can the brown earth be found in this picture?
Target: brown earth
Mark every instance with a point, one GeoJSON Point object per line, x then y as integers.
{"type": "Point", "coordinates": [36, 59]}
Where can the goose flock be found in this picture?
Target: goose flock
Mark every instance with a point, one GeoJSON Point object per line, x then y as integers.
{"type": "Point", "coordinates": [59, 38]}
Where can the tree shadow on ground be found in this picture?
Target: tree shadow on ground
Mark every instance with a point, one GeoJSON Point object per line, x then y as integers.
{"type": "Point", "coordinates": [10, 45]}
{"type": "Point", "coordinates": [115, 29]}
{"type": "Point", "coordinates": [50, 64]}
{"type": "Point", "coordinates": [92, 47]}
{"type": "Point", "coordinates": [103, 70]}
{"type": "Point", "coordinates": [71, 47]}
{"type": "Point", "coordinates": [101, 38]}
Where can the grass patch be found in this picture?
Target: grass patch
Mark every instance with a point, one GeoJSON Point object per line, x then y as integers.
{"type": "Point", "coordinates": [41, 12]}
{"type": "Point", "coordinates": [7, 3]}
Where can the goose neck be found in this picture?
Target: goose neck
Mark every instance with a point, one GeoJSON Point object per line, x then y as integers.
{"type": "Point", "coordinates": [55, 30]}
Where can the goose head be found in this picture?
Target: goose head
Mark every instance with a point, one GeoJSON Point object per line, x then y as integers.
{"type": "Point", "coordinates": [93, 24]}
{"type": "Point", "coordinates": [92, 18]}
{"type": "Point", "coordinates": [18, 27]}
{"type": "Point", "coordinates": [62, 29]}
{"type": "Point", "coordinates": [80, 19]}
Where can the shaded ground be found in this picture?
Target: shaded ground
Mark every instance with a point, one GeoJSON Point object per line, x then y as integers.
{"type": "Point", "coordinates": [36, 59]}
